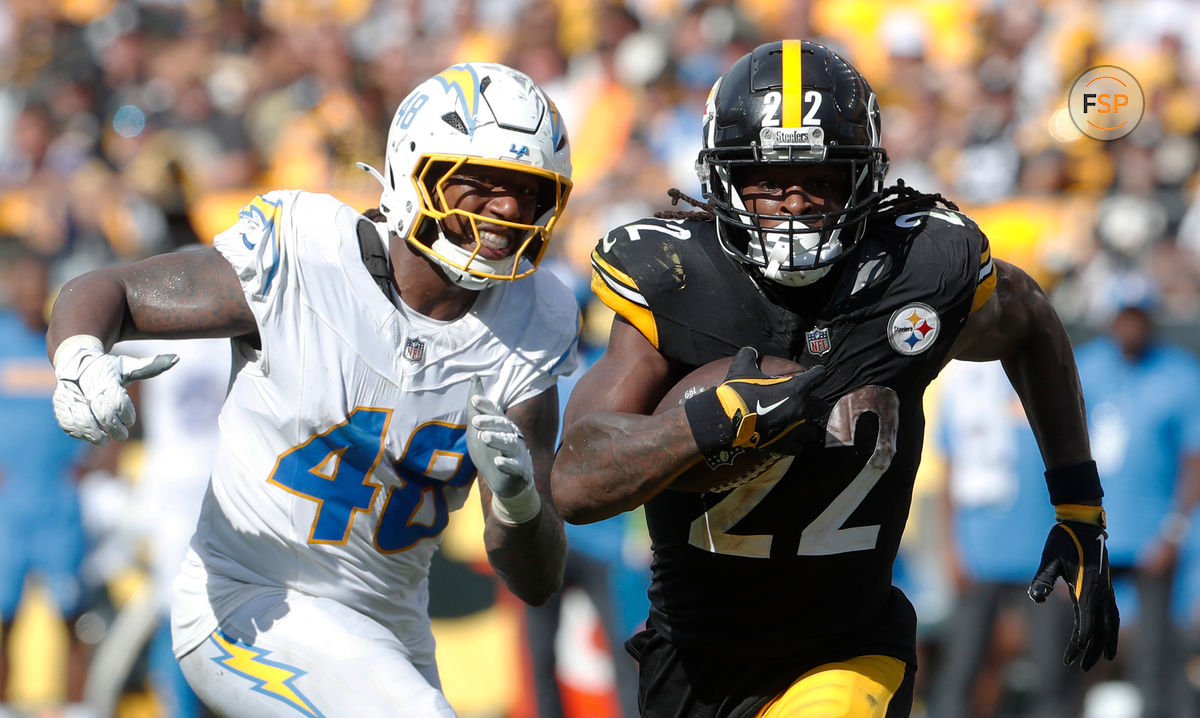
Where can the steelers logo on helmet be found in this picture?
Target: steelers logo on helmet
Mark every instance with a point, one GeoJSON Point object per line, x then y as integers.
{"type": "Point", "coordinates": [913, 328]}
{"type": "Point", "coordinates": [792, 103]}
{"type": "Point", "coordinates": [467, 119]}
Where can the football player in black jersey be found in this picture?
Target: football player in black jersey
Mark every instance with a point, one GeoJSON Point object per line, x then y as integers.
{"type": "Point", "coordinates": [775, 597]}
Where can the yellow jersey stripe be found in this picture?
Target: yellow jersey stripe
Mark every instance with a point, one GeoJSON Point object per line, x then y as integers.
{"type": "Point", "coordinates": [636, 314]}
{"type": "Point", "coordinates": [987, 282]}
{"type": "Point", "coordinates": [612, 271]}
{"type": "Point", "coordinates": [793, 93]}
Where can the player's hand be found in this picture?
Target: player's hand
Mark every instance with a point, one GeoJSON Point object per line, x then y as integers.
{"type": "Point", "coordinates": [501, 457]}
{"type": "Point", "coordinates": [1075, 552]}
{"type": "Point", "coordinates": [750, 409]}
{"type": "Point", "coordinates": [90, 401]}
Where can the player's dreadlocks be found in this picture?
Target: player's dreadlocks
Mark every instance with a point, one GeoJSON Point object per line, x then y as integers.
{"type": "Point", "coordinates": [901, 198]}
{"type": "Point", "coordinates": [896, 199]}
{"type": "Point", "coordinates": [703, 214]}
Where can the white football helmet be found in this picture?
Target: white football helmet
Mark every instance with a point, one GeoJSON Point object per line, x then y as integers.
{"type": "Point", "coordinates": [482, 115]}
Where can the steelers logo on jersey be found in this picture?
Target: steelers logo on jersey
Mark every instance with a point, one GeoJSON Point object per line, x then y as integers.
{"type": "Point", "coordinates": [913, 328]}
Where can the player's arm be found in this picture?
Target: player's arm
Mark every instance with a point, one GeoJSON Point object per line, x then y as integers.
{"type": "Point", "coordinates": [523, 533]}
{"type": "Point", "coordinates": [1019, 326]}
{"type": "Point", "coordinates": [614, 455]}
{"type": "Point", "coordinates": [178, 295]}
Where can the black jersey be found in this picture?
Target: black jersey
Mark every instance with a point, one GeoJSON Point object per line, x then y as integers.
{"type": "Point", "coordinates": [800, 559]}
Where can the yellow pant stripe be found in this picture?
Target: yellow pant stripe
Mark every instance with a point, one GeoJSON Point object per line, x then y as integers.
{"type": "Point", "coordinates": [861, 687]}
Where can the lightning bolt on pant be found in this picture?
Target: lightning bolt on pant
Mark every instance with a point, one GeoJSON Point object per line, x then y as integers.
{"type": "Point", "coordinates": [289, 655]}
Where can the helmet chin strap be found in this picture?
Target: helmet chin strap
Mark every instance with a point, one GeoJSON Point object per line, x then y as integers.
{"type": "Point", "coordinates": [459, 276]}
{"type": "Point", "coordinates": [779, 251]}
{"type": "Point", "coordinates": [385, 197]}
{"type": "Point", "coordinates": [798, 278]}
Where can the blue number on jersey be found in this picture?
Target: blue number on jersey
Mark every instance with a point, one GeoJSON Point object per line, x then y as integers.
{"type": "Point", "coordinates": [332, 469]}
{"type": "Point", "coordinates": [436, 457]}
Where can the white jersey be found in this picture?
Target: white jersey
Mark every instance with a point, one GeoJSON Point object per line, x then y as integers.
{"type": "Point", "coordinates": [343, 445]}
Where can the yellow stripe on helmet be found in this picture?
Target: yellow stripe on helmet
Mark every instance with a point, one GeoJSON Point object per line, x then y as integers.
{"type": "Point", "coordinates": [793, 93]}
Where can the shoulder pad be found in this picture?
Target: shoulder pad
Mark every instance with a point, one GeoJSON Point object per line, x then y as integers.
{"type": "Point", "coordinates": [672, 281]}
{"type": "Point", "coordinates": [945, 251]}
{"type": "Point", "coordinates": [628, 264]}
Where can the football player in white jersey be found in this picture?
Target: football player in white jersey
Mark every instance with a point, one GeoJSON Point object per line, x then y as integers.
{"type": "Point", "coordinates": [378, 366]}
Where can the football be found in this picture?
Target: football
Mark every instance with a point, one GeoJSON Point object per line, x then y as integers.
{"type": "Point", "coordinates": [740, 465]}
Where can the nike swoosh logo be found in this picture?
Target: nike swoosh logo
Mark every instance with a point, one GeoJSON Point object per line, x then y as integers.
{"type": "Point", "coordinates": [763, 410]}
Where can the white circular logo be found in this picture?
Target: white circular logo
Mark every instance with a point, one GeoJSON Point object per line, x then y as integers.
{"type": "Point", "coordinates": [913, 328]}
{"type": "Point", "coordinates": [1106, 103]}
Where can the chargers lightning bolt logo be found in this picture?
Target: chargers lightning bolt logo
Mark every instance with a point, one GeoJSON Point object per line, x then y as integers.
{"type": "Point", "coordinates": [463, 81]}
{"type": "Point", "coordinates": [265, 212]}
{"type": "Point", "coordinates": [272, 679]}
{"type": "Point", "coordinates": [265, 217]}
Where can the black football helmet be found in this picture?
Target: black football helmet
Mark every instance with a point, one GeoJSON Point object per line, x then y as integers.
{"type": "Point", "coordinates": [791, 102]}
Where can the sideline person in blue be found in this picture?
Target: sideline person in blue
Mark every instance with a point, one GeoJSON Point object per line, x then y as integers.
{"type": "Point", "coordinates": [1143, 400]}
{"type": "Point", "coordinates": [41, 529]}
{"type": "Point", "coordinates": [994, 502]}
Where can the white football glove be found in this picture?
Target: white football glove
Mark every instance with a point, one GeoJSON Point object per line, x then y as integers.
{"type": "Point", "coordinates": [501, 457]}
{"type": "Point", "coordinates": [90, 401]}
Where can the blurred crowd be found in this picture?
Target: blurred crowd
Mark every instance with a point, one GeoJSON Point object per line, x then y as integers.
{"type": "Point", "coordinates": [130, 127]}
{"type": "Point", "coordinates": [133, 127]}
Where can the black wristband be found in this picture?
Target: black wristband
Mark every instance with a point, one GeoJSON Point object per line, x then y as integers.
{"type": "Point", "coordinates": [710, 426]}
{"type": "Point", "coordinates": [1074, 484]}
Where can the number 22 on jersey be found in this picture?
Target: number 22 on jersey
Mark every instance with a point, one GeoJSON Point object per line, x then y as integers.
{"type": "Point", "coordinates": [334, 469]}
{"type": "Point", "coordinates": [824, 535]}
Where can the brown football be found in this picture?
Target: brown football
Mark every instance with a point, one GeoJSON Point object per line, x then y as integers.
{"type": "Point", "coordinates": [741, 465]}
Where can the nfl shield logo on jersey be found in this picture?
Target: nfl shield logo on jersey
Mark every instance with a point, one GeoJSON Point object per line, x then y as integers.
{"type": "Point", "coordinates": [818, 341]}
{"type": "Point", "coordinates": [414, 350]}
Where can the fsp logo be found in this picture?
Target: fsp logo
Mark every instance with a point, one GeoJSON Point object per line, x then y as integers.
{"type": "Point", "coordinates": [1106, 102]}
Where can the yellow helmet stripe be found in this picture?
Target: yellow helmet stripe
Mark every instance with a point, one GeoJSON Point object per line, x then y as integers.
{"type": "Point", "coordinates": [793, 93]}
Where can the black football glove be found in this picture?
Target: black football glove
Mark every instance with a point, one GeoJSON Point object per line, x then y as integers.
{"type": "Point", "coordinates": [750, 409]}
{"type": "Point", "coordinates": [1075, 551]}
